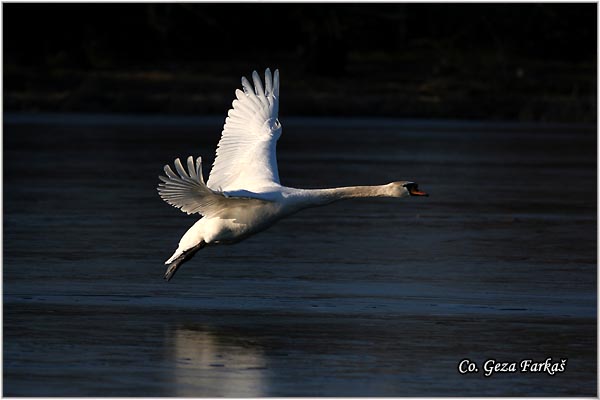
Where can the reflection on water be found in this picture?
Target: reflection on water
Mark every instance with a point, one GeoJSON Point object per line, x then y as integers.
{"type": "Point", "coordinates": [206, 364]}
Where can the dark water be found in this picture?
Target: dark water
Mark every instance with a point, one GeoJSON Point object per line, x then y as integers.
{"type": "Point", "coordinates": [377, 297]}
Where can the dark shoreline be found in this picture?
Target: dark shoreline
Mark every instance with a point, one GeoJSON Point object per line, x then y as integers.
{"type": "Point", "coordinates": [571, 98]}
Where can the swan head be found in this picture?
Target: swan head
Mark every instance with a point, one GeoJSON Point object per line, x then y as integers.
{"type": "Point", "coordinates": [405, 189]}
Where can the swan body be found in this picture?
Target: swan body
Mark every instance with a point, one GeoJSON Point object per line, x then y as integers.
{"type": "Point", "coordinates": [243, 195]}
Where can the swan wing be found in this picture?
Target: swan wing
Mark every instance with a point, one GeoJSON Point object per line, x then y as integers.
{"type": "Point", "coordinates": [188, 192]}
{"type": "Point", "coordinates": [246, 154]}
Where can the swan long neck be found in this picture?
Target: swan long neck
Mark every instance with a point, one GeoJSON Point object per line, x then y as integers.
{"type": "Point", "coordinates": [319, 197]}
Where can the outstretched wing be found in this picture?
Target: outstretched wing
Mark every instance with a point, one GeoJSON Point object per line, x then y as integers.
{"type": "Point", "coordinates": [189, 193]}
{"type": "Point", "coordinates": [246, 154]}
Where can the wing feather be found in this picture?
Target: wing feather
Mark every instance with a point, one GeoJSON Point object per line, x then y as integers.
{"type": "Point", "coordinates": [192, 168]}
{"type": "Point", "coordinates": [180, 169]}
{"type": "Point", "coordinates": [170, 172]}
{"type": "Point", "coordinates": [268, 82]}
{"type": "Point", "coordinates": [188, 192]}
{"type": "Point", "coordinates": [246, 154]}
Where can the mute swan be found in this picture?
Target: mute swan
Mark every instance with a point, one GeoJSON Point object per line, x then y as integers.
{"type": "Point", "coordinates": [243, 195]}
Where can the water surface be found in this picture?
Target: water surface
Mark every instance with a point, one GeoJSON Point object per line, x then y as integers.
{"type": "Point", "coordinates": [378, 297]}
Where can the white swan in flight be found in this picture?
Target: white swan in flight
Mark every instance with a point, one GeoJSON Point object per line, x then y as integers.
{"type": "Point", "coordinates": [243, 195]}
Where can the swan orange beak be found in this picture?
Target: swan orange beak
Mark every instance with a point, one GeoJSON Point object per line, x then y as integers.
{"type": "Point", "coordinates": [414, 191]}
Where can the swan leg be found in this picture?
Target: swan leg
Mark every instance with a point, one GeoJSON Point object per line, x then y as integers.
{"type": "Point", "coordinates": [186, 255]}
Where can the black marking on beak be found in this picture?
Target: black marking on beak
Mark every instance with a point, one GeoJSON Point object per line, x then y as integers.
{"type": "Point", "coordinates": [413, 189]}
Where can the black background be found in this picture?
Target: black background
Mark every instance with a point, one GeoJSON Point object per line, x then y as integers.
{"type": "Point", "coordinates": [487, 61]}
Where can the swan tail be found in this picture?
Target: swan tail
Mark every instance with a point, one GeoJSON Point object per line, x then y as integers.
{"type": "Point", "coordinates": [177, 261]}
